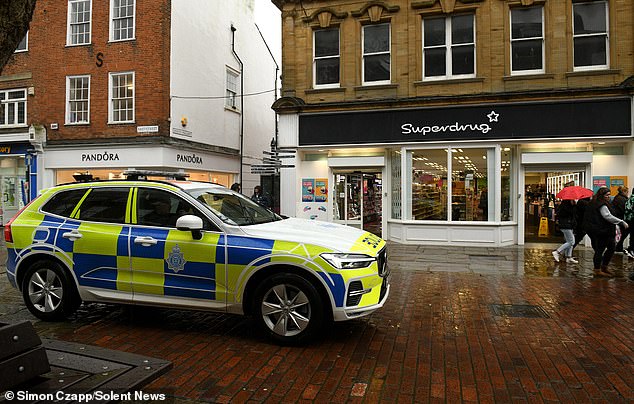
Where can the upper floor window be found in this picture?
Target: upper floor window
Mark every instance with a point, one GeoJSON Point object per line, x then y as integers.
{"type": "Point", "coordinates": [590, 35]}
{"type": "Point", "coordinates": [122, 20]}
{"type": "Point", "coordinates": [78, 99]}
{"type": "Point", "coordinates": [12, 108]}
{"type": "Point", "coordinates": [23, 46]}
{"type": "Point", "coordinates": [79, 18]}
{"type": "Point", "coordinates": [376, 54]}
{"type": "Point", "coordinates": [448, 47]}
{"type": "Point", "coordinates": [121, 97]}
{"type": "Point", "coordinates": [232, 89]}
{"type": "Point", "coordinates": [326, 58]}
{"type": "Point", "coordinates": [527, 40]}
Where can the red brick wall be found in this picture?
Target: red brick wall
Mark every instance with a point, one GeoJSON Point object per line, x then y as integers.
{"type": "Point", "coordinates": [49, 61]}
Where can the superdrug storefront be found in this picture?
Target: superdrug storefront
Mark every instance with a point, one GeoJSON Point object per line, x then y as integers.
{"type": "Point", "coordinates": [458, 175]}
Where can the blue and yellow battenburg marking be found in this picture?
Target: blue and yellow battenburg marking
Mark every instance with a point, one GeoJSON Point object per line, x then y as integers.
{"type": "Point", "coordinates": [214, 268]}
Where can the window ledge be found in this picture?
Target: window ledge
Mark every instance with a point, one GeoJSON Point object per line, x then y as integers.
{"type": "Point", "coordinates": [77, 124]}
{"type": "Point", "coordinates": [602, 72]}
{"type": "Point", "coordinates": [376, 87]}
{"type": "Point", "coordinates": [325, 90]}
{"type": "Point", "coordinates": [449, 81]}
{"type": "Point", "coordinates": [536, 76]}
{"type": "Point", "coordinates": [234, 110]}
{"type": "Point", "coordinates": [122, 123]}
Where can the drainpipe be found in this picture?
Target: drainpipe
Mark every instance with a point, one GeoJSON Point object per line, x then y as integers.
{"type": "Point", "coordinates": [233, 50]}
{"type": "Point", "coordinates": [277, 69]}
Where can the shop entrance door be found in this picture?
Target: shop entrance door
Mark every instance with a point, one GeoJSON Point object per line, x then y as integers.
{"type": "Point", "coordinates": [358, 200]}
{"type": "Point", "coordinates": [12, 196]}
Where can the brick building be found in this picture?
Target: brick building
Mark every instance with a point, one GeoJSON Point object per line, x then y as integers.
{"type": "Point", "coordinates": [104, 86]}
{"type": "Point", "coordinates": [453, 121]}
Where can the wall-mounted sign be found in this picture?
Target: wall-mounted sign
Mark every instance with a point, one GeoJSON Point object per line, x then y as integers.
{"type": "Point", "coordinates": [182, 132]}
{"type": "Point", "coordinates": [562, 119]}
{"type": "Point", "coordinates": [321, 190]}
{"type": "Point", "coordinates": [189, 158]}
{"type": "Point", "coordinates": [147, 129]}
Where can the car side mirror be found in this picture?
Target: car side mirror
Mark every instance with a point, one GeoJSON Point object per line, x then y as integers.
{"type": "Point", "coordinates": [191, 223]}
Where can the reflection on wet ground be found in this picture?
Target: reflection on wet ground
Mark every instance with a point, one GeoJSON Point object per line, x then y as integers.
{"type": "Point", "coordinates": [532, 259]}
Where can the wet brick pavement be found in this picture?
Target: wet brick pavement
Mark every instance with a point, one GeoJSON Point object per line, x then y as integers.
{"type": "Point", "coordinates": [438, 339]}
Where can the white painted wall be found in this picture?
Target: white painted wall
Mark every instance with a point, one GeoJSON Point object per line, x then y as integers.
{"type": "Point", "coordinates": [611, 165]}
{"type": "Point", "coordinates": [200, 53]}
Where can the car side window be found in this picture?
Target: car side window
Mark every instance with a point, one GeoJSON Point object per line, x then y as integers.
{"type": "Point", "coordinates": [160, 208]}
{"type": "Point", "coordinates": [63, 203]}
{"type": "Point", "coordinates": [105, 205]}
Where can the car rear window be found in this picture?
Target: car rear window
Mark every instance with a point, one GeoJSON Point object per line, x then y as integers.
{"type": "Point", "coordinates": [63, 203]}
{"type": "Point", "coordinates": [105, 205]}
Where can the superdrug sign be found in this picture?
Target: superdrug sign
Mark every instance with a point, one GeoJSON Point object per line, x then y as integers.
{"type": "Point", "coordinates": [568, 119]}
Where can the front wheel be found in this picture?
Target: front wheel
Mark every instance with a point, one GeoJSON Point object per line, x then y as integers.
{"type": "Point", "coordinates": [48, 292]}
{"type": "Point", "coordinates": [289, 308]}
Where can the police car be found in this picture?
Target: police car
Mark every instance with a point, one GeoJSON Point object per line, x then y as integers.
{"type": "Point", "coordinates": [195, 245]}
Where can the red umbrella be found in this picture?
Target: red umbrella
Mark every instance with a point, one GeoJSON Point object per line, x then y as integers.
{"type": "Point", "coordinates": [574, 192]}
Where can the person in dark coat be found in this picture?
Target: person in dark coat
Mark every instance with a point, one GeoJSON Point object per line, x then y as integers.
{"type": "Point", "coordinates": [260, 197]}
{"type": "Point", "coordinates": [566, 220]}
{"type": "Point", "coordinates": [599, 222]}
{"type": "Point", "coordinates": [580, 209]}
{"type": "Point", "coordinates": [619, 211]}
{"type": "Point", "coordinates": [236, 187]}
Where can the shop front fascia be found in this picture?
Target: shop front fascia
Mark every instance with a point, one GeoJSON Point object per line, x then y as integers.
{"type": "Point", "coordinates": [451, 174]}
{"type": "Point", "coordinates": [58, 165]}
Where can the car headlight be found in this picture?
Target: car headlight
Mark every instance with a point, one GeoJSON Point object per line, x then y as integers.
{"type": "Point", "coordinates": [348, 261]}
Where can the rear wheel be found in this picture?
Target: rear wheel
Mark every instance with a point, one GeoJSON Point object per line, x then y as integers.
{"type": "Point", "coordinates": [48, 292]}
{"type": "Point", "coordinates": [289, 308]}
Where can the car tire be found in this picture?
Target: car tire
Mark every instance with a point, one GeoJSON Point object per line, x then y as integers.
{"type": "Point", "coordinates": [288, 307]}
{"type": "Point", "coordinates": [48, 291]}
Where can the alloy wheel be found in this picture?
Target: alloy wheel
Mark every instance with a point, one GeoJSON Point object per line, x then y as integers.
{"type": "Point", "coordinates": [46, 290]}
{"type": "Point", "coordinates": [286, 310]}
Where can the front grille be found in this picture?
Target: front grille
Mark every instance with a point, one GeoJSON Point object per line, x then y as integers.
{"type": "Point", "coordinates": [381, 261]}
{"type": "Point", "coordinates": [354, 297]}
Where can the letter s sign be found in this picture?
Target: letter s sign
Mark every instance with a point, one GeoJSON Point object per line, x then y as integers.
{"type": "Point", "coordinates": [99, 58]}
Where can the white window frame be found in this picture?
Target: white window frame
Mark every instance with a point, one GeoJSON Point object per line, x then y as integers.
{"type": "Point", "coordinates": [5, 101]}
{"type": "Point", "coordinates": [533, 71]}
{"type": "Point", "coordinates": [607, 40]}
{"type": "Point", "coordinates": [363, 55]}
{"type": "Point", "coordinates": [232, 100]}
{"type": "Point", "coordinates": [448, 52]}
{"type": "Point", "coordinates": [69, 25]}
{"type": "Point", "coordinates": [112, 20]}
{"type": "Point", "coordinates": [26, 44]}
{"type": "Point", "coordinates": [315, 58]}
{"type": "Point", "coordinates": [111, 76]}
{"type": "Point", "coordinates": [69, 110]}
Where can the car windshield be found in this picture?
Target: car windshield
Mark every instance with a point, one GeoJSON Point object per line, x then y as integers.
{"type": "Point", "coordinates": [232, 207]}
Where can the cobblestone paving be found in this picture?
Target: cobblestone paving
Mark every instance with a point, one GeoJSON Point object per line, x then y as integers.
{"type": "Point", "coordinates": [436, 340]}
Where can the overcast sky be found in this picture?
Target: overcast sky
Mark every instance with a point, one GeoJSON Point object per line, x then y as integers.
{"type": "Point", "coordinates": [267, 16]}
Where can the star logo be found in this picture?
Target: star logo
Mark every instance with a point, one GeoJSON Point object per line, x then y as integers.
{"type": "Point", "coordinates": [493, 116]}
{"type": "Point", "coordinates": [176, 260]}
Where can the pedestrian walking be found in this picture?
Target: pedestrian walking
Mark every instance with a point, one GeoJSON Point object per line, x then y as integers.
{"type": "Point", "coordinates": [619, 211]}
{"type": "Point", "coordinates": [565, 215]}
{"type": "Point", "coordinates": [600, 224]}
{"type": "Point", "coordinates": [580, 210]}
{"type": "Point", "coordinates": [628, 216]}
{"type": "Point", "coordinates": [260, 197]}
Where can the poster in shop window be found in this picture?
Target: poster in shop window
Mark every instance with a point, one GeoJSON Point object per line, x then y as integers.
{"type": "Point", "coordinates": [598, 182]}
{"type": "Point", "coordinates": [308, 190]}
{"type": "Point", "coordinates": [321, 190]}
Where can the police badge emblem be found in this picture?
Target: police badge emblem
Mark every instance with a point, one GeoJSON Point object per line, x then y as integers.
{"type": "Point", "coordinates": [176, 260]}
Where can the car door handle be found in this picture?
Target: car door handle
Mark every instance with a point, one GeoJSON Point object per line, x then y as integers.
{"type": "Point", "coordinates": [145, 241]}
{"type": "Point", "coordinates": [72, 235]}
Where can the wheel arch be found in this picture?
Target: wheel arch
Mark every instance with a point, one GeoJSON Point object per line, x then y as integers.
{"type": "Point", "coordinates": [30, 259]}
{"type": "Point", "coordinates": [270, 270]}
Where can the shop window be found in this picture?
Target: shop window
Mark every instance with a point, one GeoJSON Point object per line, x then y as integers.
{"type": "Point", "coordinates": [448, 47]}
{"type": "Point", "coordinates": [78, 100]}
{"type": "Point", "coordinates": [12, 108]}
{"type": "Point", "coordinates": [527, 40]}
{"type": "Point", "coordinates": [429, 184]}
{"type": "Point", "coordinates": [79, 19]}
{"type": "Point", "coordinates": [506, 168]}
{"type": "Point", "coordinates": [590, 35]}
{"type": "Point", "coordinates": [121, 97]}
{"type": "Point", "coordinates": [326, 58]}
{"type": "Point", "coordinates": [376, 54]}
{"type": "Point", "coordinates": [122, 20]}
{"type": "Point", "coordinates": [395, 163]}
{"type": "Point", "coordinates": [23, 46]}
{"type": "Point", "coordinates": [470, 197]}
